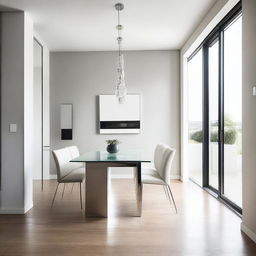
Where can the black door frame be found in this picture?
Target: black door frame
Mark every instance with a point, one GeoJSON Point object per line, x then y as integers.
{"type": "Point", "coordinates": [212, 40]}
{"type": "Point", "coordinates": [217, 33]}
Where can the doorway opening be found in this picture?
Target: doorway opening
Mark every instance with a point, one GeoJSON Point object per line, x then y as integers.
{"type": "Point", "coordinates": [38, 173]}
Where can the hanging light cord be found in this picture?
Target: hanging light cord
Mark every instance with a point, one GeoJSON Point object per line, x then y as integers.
{"type": "Point", "coordinates": [121, 90]}
{"type": "Point", "coordinates": [119, 39]}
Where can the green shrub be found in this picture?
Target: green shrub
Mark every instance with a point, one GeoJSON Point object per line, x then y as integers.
{"type": "Point", "coordinates": [197, 136]}
{"type": "Point", "coordinates": [230, 132]}
{"type": "Point", "coordinates": [214, 136]}
{"type": "Point", "coordinates": [230, 136]}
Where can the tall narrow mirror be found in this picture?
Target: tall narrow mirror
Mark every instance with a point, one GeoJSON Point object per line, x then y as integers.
{"type": "Point", "coordinates": [66, 121]}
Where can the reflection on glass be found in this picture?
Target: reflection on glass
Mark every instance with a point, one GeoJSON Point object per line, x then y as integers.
{"type": "Point", "coordinates": [195, 118]}
{"type": "Point", "coordinates": [121, 156]}
{"type": "Point", "coordinates": [213, 113]}
{"type": "Point", "coordinates": [233, 112]}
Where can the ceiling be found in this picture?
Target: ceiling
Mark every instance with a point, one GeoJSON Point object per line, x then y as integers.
{"type": "Point", "coordinates": [89, 25]}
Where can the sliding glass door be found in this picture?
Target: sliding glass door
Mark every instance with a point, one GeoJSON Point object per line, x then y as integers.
{"type": "Point", "coordinates": [232, 187]}
{"type": "Point", "coordinates": [215, 111]}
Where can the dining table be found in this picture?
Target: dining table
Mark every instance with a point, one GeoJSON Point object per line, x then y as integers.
{"type": "Point", "coordinates": [97, 178]}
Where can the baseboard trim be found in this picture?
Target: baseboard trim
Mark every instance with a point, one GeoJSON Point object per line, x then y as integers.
{"type": "Point", "coordinates": [28, 207]}
{"type": "Point", "coordinates": [12, 210]}
{"type": "Point", "coordinates": [17, 210]}
{"type": "Point", "coordinates": [128, 176]}
{"type": "Point", "coordinates": [120, 176]}
{"type": "Point", "coordinates": [175, 177]}
{"type": "Point", "coordinates": [48, 177]}
{"type": "Point", "coordinates": [248, 232]}
{"type": "Point", "coordinates": [183, 179]}
{"type": "Point", "coordinates": [45, 178]}
{"type": "Point", "coordinates": [53, 177]}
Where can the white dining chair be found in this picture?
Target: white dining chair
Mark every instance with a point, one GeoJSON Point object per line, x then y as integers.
{"type": "Point", "coordinates": [68, 172]}
{"type": "Point", "coordinates": [161, 173]}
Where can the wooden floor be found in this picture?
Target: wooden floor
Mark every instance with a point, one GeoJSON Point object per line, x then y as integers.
{"type": "Point", "coordinates": [202, 226]}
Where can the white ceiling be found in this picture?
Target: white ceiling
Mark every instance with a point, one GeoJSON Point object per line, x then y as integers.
{"type": "Point", "coordinates": [89, 25]}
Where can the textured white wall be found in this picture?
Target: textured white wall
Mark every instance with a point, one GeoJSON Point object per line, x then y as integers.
{"type": "Point", "coordinates": [78, 77]}
{"type": "Point", "coordinates": [249, 118]}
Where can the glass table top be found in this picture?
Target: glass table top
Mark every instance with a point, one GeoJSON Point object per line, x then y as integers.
{"type": "Point", "coordinates": [104, 156]}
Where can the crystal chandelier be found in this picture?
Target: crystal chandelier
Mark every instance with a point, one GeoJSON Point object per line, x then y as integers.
{"type": "Point", "coordinates": [121, 89]}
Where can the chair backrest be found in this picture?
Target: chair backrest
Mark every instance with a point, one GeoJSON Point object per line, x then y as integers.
{"type": "Point", "coordinates": [163, 158]}
{"type": "Point", "coordinates": [62, 157]}
{"type": "Point", "coordinates": [74, 151]}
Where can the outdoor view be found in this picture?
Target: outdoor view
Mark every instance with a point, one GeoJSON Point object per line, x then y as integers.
{"type": "Point", "coordinates": [195, 117]}
{"type": "Point", "coordinates": [213, 113]}
{"type": "Point", "coordinates": [232, 113]}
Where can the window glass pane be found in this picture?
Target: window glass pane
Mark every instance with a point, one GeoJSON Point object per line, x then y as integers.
{"type": "Point", "coordinates": [195, 118]}
{"type": "Point", "coordinates": [233, 112]}
{"type": "Point", "coordinates": [213, 113]}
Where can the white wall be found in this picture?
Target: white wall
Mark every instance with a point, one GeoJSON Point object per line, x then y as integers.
{"type": "Point", "coordinates": [16, 107]}
{"type": "Point", "coordinates": [78, 77]}
{"type": "Point", "coordinates": [249, 118]}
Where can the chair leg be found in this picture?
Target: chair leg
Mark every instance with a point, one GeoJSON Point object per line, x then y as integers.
{"type": "Point", "coordinates": [166, 192]}
{"type": "Point", "coordinates": [81, 195]}
{"type": "Point", "coordinates": [172, 198]}
{"type": "Point", "coordinates": [55, 194]}
{"type": "Point", "coordinates": [63, 191]}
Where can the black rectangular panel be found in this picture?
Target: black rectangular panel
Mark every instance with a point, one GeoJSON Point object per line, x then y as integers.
{"type": "Point", "coordinates": [66, 134]}
{"type": "Point", "coordinates": [120, 125]}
